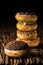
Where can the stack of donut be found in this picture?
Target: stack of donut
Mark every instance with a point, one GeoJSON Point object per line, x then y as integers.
{"type": "Point", "coordinates": [26, 36]}
{"type": "Point", "coordinates": [26, 29]}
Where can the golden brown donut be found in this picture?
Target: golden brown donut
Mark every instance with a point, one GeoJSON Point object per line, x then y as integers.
{"type": "Point", "coordinates": [27, 34]}
{"type": "Point", "coordinates": [13, 53]}
{"type": "Point", "coordinates": [31, 43]}
{"type": "Point", "coordinates": [25, 17]}
{"type": "Point", "coordinates": [26, 27]}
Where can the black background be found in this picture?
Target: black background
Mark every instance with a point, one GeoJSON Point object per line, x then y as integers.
{"type": "Point", "coordinates": [8, 9]}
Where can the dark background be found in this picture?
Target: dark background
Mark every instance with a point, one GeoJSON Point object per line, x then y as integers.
{"type": "Point", "coordinates": [8, 9]}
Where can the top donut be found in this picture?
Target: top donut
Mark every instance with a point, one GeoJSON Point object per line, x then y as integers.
{"type": "Point", "coordinates": [26, 17]}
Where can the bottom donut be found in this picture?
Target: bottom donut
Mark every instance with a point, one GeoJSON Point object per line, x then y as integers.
{"type": "Point", "coordinates": [16, 49]}
{"type": "Point", "coordinates": [17, 53]}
